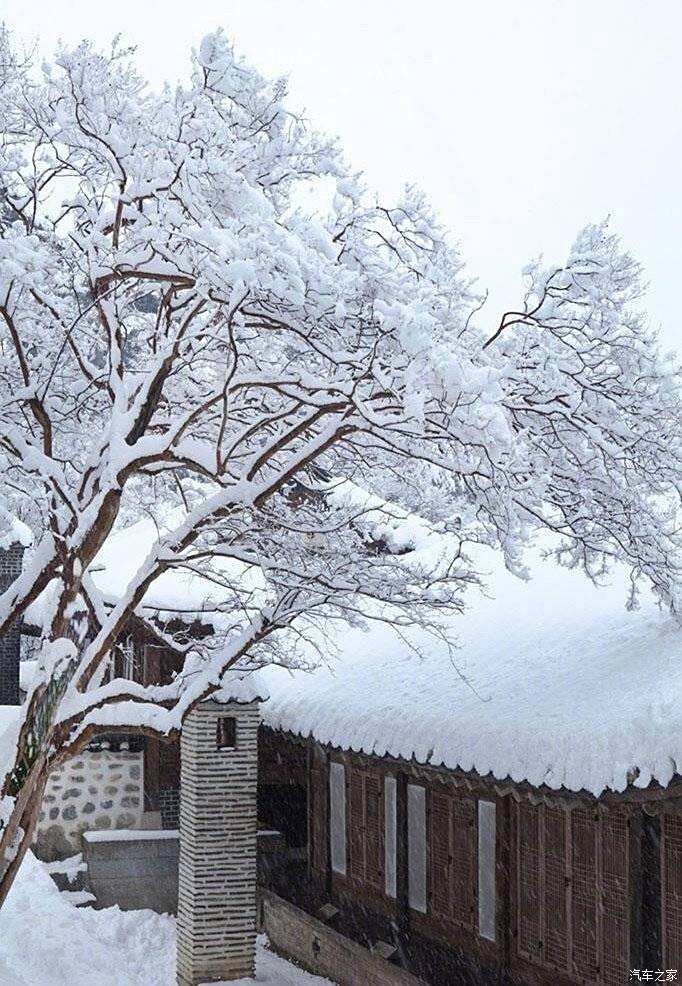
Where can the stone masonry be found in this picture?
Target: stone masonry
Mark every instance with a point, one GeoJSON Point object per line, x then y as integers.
{"type": "Point", "coordinates": [10, 641]}
{"type": "Point", "coordinates": [96, 790]}
{"type": "Point", "coordinates": [218, 825]}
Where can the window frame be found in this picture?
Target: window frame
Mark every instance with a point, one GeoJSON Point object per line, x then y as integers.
{"type": "Point", "coordinates": [486, 868]}
{"type": "Point", "coordinates": [391, 836]}
{"type": "Point", "coordinates": [127, 648]}
{"type": "Point", "coordinates": [417, 849]}
{"type": "Point", "coordinates": [338, 835]}
{"type": "Point", "coordinates": [226, 735]}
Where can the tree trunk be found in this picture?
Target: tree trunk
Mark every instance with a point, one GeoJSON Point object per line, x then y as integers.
{"type": "Point", "coordinates": [24, 817]}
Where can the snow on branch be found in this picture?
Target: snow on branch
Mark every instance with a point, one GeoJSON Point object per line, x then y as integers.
{"type": "Point", "coordinates": [184, 345]}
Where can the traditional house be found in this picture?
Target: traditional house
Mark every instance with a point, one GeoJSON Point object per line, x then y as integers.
{"type": "Point", "coordinates": [505, 811]}
{"type": "Point", "coordinates": [509, 812]}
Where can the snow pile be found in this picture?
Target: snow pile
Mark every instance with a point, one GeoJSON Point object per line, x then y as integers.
{"type": "Point", "coordinates": [552, 682]}
{"type": "Point", "coordinates": [27, 672]}
{"type": "Point", "coordinates": [271, 970]}
{"type": "Point", "coordinates": [242, 687]}
{"type": "Point", "coordinates": [99, 948]}
{"type": "Point", "coordinates": [13, 531]}
{"type": "Point", "coordinates": [71, 945]}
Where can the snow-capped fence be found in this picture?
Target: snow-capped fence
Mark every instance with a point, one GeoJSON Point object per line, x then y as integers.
{"type": "Point", "coordinates": [218, 831]}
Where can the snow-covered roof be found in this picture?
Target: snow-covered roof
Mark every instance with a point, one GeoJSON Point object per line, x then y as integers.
{"type": "Point", "coordinates": [176, 591]}
{"type": "Point", "coordinates": [13, 531]}
{"type": "Point", "coordinates": [126, 549]}
{"type": "Point", "coordinates": [553, 683]}
{"type": "Point", "coordinates": [241, 687]}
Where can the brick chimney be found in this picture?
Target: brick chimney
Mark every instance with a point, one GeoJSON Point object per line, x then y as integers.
{"type": "Point", "coordinates": [218, 827]}
{"type": "Point", "coordinates": [10, 642]}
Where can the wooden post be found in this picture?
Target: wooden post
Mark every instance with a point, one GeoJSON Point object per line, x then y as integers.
{"type": "Point", "coordinates": [402, 863]}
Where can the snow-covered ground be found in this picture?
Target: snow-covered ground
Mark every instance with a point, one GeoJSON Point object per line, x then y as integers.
{"type": "Point", "coordinates": [46, 941]}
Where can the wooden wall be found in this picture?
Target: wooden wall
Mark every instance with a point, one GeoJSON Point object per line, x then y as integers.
{"type": "Point", "coordinates": [451, 918]}
{"type": "Point", "coordinates": [572, 886]}
{"type": "Point", "coordinates": [154, 663]}
{"type": "Point", "coordinates": [583, 887]}
{"type": "Point", "coordinates": [671, 890]}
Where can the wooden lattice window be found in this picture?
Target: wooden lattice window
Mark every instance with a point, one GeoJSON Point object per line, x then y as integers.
{"type": "Point", "coordinates": [671, 889]}
{"type": "Point", "coordinates": [555, 887]}
{"type": "Point", "coordinates": [390, 835]}
{"type": "Point", "coordinates": [615, 897]}
{"type": "Point", "coordinates": [417, 877]}
{"type": "Point", "coordinates": [529, 871]}
{"type": "Point", "coordinates": [573, 897]}
{"type": "Point", "coordinates": [452, 857]}
{"type": "Point", "coordinates": [366, 828]}
{"type": "Point", "coordinates": [584, 892]}
{"type": "Point", "coordinates": [318, 813]}
{"type": "Point", "coordinates": [487, 869]}
{"type": "Point", "coordinates": [338, 811]}
{"type": "Point", "coordinates": [128, 658]}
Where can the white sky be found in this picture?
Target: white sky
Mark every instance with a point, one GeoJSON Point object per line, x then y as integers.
{"type": "Point", "coordinates": [522, 119]}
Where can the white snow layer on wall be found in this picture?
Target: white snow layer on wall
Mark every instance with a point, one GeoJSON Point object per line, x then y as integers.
{"type": "Point", "coordinates": [553, 681]}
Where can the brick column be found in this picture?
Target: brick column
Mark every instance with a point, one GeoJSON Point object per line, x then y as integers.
{"type": "Point", "coordinates": [218, 824]}
{"type": "Point", "coordinates": [10, 641]}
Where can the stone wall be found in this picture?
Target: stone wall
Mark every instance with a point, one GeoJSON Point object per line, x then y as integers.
{"type": "Point", "coordinates": [97, 790]}
{"type": "Point", "coordinates": [323, 951]}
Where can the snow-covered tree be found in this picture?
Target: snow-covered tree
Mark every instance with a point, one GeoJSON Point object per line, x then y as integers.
{"type": "Point", "coordinates": [205, 315]}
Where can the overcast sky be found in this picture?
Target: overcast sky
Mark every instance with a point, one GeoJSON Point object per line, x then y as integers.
{"type": "Point", "coordinates": [522, 119]}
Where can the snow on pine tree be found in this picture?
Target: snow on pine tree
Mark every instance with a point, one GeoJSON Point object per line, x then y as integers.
{"type": "Point", "coordinates": [204, 314]}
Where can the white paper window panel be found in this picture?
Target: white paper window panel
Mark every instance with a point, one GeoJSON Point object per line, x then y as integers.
{"type": "Point", "coordinates": [486, 869]}
{"type": "Point", "coordinates": [416, 847]}
{"type": "Point", "coordinates": [128, 650]}
{"type": "Point", "coordinates": [337, 813]}
{"type": "Point", "coordinates": [390, 831]}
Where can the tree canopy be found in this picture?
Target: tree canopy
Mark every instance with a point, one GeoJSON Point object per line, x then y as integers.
{"type": "Point", "coordinates": [203, 307]}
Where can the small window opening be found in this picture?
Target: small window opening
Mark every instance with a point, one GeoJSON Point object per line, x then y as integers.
{"type": "Point", "coordinates": [128, 652]}
{"type": "Point", "coordinates": [227, 733]}
{"type": "Point", "coordinates": [486, 869]}
{"type": "Point", "coordinates": [416, 847]}
{"type": "Point", "coordinates": [337, 821]}
{"type": "Point", "coordinates": [390, 835]}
